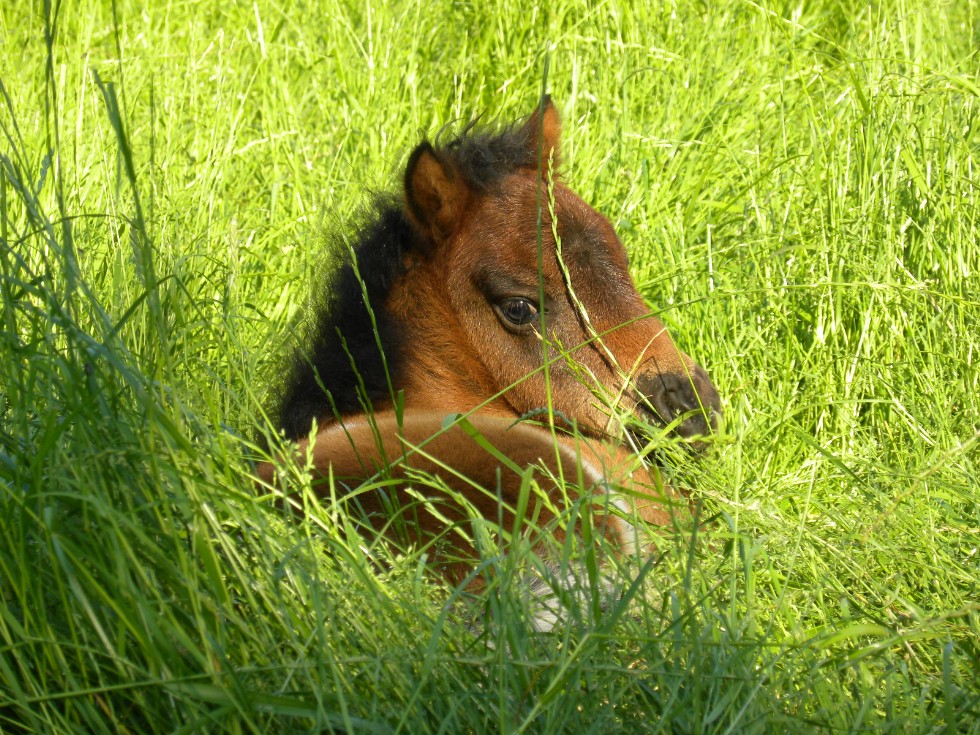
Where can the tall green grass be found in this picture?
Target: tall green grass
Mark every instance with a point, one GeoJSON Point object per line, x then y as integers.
{"type": "Point", "coordinates": [796, 185]}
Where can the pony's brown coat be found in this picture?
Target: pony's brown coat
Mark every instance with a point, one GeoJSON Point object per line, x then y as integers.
{"type": "Point", "coordinates": [475, 257]}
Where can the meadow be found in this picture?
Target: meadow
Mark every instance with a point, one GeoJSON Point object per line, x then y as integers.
{"type": "Point", "coordinates": [796, 185]}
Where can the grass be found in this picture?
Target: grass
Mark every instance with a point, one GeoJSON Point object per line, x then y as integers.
{"type": "Point", "coordinates": [796, 185]}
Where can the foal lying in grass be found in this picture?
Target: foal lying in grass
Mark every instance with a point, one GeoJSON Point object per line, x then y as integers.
{"type": "Point", "coordinates": [489, 295]}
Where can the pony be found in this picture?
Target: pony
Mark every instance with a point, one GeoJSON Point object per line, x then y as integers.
{"type": "Point", "coordinates": [486, 332]}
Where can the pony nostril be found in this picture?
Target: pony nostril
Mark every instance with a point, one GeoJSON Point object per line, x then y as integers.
{"type": "Point", "coordinates": [659, 406]}
{"type": "Point", "coordinates": [690, 397]}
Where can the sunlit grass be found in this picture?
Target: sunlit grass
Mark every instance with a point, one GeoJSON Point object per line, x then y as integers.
{"type": "Point", "coordinates": [796, 187]}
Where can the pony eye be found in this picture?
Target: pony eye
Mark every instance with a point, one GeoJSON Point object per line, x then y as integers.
{"type": "Point", "coordinates": [519, 312]}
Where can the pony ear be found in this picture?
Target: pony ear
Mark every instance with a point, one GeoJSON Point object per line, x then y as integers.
{"type": "Point", "coordinates": [435, 192]}
{"type": "Point", "coordinates": [543, 130]}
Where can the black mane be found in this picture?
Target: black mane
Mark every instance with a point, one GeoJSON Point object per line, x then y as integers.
{"type": "Point", "coordinates": [485, 158]}
{"type": "Point", "coordinates": [338, 368]}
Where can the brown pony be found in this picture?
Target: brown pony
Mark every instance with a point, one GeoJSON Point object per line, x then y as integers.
{"type": "Point", "coordinates": [493, 292]}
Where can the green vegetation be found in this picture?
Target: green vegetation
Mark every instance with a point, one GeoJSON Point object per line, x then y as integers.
{"type": "Point", "coordinates": [796, 185]}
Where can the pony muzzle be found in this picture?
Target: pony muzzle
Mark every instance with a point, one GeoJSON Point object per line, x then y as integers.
{"type": "Point", "coordinates": [688, 401]}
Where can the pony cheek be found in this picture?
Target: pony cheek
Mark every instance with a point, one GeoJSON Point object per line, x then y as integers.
{"type": "Point", "coordinates": [515, 360]}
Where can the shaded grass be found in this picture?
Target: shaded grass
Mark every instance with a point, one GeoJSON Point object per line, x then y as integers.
{"type": "Point", "coordinates": [797, 193]}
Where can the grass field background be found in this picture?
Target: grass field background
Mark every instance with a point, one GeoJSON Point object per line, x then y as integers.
{"type": "Point", "coordinates": [796, 185]}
